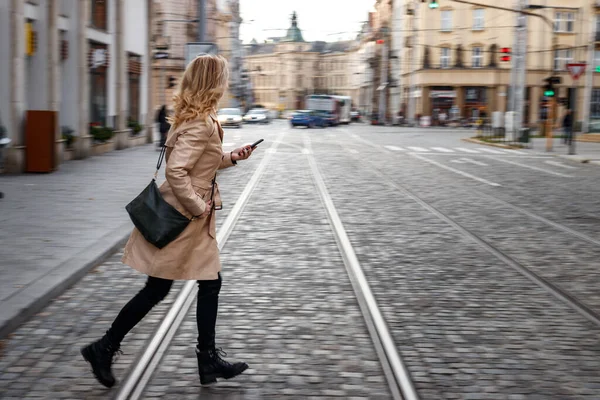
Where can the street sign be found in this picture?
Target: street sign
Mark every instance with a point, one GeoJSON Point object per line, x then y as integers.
{"type": "Point", "coordinates": [192, 50]}
{"type": "Point", "coordinates": [576, 70]}
{"type": "Point", "coordinates": [160, 55]}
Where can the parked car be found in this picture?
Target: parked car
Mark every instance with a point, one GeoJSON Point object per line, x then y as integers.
{"type": "Point", "coordinates": [310, 119]}
{"type": "Point", "coordinates": [355, 116]}
{"type": "Point", "coordinates": [230, 117]}
{"type": "Point", "coordinates": [329, 118]}
{"type": "Point", "coordinates": [257, 116]}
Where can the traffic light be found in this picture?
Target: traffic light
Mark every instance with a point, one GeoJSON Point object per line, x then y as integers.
{"type": "Point", "coordinates": [172, 81]}
{"type": "Point", "coordinates": [505, 54]}
{"type": "Point", "coordinates": [549, 89]}
{"type": "Point", "coordinates": [30, 39]}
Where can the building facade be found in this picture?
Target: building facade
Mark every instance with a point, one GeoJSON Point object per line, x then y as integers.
{"type": "Point", "coordinates": [88, 61]}
{"type": "Point", "coordinates": [283, 71]}
{"type": "Point", "coordinates": [452, 58]}
{"type": "Point", "coordinates": [175, 27]}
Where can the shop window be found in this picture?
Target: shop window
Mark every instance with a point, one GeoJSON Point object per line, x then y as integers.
{"type": "Point", "coordinates": [134, 74]}
{"type": "Point", "coordinates": [595, 104]}
{"type": "Point", "coordinates": [100, 14]}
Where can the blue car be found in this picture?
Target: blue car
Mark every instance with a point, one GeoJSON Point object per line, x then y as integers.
{"type": "Point", "coordinates": [310, 119]}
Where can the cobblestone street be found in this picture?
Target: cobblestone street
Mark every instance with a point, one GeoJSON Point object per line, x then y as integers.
{"type": "Point", "coordinates": [484, 266]}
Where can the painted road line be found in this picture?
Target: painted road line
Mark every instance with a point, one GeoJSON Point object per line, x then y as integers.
{"type": "Point", "coordinates": [513, 151]}
{"type": "Point", "coordinates": [468, 160]}
{"type": "Point", "coordinates": [559, 164]}
{"type": "Point", "coordinates": [394, 148]}
{"type": "Point", "coordinates": [492, 151]}
{"type": "Point", "coordinates": [443, 149]}
{"type": "Point", "coordinates": [418, 149]}
{"type": "Point", "coordinates": [532, 168]}
{"type": "Point", "coordinates": [467, 150]}
{"type": "Point", "coordinates": [353, 151]}
{"type": "Point", "coordinates": [456, 171]}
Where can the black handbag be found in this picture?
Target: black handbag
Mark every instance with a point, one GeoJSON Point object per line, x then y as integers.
{"type": "Point", "coordinates": [158, 221]}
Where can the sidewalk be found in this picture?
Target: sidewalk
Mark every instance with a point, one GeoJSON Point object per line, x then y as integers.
{"type": "Point", "coordinates": [55, 227]}
{"type": "Point", "coordinates": [585, 152]}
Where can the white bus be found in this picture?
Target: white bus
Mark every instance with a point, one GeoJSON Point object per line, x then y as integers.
{"type": "Point", "coordinates": [345, 108]}
{"type": "Point", "coordinates": [339, 106]}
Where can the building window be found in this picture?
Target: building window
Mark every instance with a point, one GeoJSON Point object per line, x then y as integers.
{"type": "Point", "coordinates": [445, 57]}
{"type": "Point", "coordinates": [595, 105]}
{"type": "Point", "coordinates": [446, 21]}
{"type": "Point", "coordinates": [562, 58]}
{"type": "Point", "coordinates": [477, 57]}
{"type": "Point", "coordinates": [478, 19]}
{"type": "Point", "coordinates": [564, 22]}
{"type": "Point", "coordinates": [100, 14]}
{"type": "Point", "coordinates": [98, 83]}
{"type": "Point", "coordinates": [596, 58]}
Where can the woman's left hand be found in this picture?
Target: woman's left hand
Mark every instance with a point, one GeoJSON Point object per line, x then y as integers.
{"type": "Point", "coordinates": [241, 153]}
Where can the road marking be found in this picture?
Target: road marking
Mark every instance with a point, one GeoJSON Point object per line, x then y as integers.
{"type": "Point", "coordinates": [559, 164]}
{"type": "Point", "coordinates": [456, 171]}
{"type": "Point", "coordinates": [418, 149]}
{"type": "Point", "coordinates": [443, 149]}
{"type": "Point", "coordinates": [492, 151]}
{"type": "Point", "coordinates": [533, 168]}
{"type": "Point", "coordinates": [394, 148]}
{"type": "Point", "coordinates": [512, 151]}
{"type": "Point", "coordinates": [353, 151]}
{"type": "Point", "coordinates": [468, 160]}
{"type": "Point", "coordinates": [467, 150]}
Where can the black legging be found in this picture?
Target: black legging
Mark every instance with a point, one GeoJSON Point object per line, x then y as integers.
{"type": "Point", "coordinates": [156, 289]}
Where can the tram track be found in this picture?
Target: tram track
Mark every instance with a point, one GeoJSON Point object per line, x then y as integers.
{"type": "Point", "coordinates": [562, 295]}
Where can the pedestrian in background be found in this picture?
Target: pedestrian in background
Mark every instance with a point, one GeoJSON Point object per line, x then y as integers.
{"type": "Point", "coordinates": [163, 124]}
{"type": "Point", "coordinates": [568, 127]}
{"type": "Point", "coordinates": [193, 155]}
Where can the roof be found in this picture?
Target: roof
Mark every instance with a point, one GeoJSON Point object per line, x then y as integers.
{"type": "Point", "coordinates": [294, 34]}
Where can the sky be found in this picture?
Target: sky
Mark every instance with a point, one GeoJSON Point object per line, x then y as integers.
{"type": "Point", "coordinates": [327, 20]}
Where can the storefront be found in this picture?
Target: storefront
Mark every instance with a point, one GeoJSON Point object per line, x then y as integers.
{"type": "Point", "coordinates": [442, 100]}
{"type": "Point", "coordinates": [98, 65]}
{"type": "Point", "coordinates": [475, 102]}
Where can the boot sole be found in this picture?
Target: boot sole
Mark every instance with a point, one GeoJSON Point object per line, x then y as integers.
{"type": "Point", "coordinates": [206, 380]}
{"type": "Point", "coordinates": [87, 356]}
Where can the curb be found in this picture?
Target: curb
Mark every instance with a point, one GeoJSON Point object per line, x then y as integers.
{"type": "Point", "coordinates": [35, 296]}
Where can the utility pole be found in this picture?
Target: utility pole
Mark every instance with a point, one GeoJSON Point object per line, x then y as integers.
{"type": "Point", "coordinates": [413, 55]}
{"type": "Point", "coordinates": [383, 83]}
{"type": "Point", "coordinates": [589, 75]}
{"type": "Point", "coordinates": [201, 20]}
{"type": "Point", "coordinates": [519, 92]}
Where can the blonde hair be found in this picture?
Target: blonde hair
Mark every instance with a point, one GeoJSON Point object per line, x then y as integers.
{"type": "Point", "coordinates": [202, 85]}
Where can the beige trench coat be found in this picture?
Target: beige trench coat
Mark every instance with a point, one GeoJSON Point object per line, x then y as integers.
{"type": "Point", "coordinates": [193, 155]}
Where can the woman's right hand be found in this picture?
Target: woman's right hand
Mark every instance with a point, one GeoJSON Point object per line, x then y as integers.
{"type": "Point", "coordinates": [207, 211]}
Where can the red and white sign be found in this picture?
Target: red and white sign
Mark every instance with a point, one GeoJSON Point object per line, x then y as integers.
{"type": "Point", "coordinates": [576, 70]}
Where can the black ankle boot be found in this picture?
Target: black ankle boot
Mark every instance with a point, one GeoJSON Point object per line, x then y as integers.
{"type": "Point", "coordinates": [211, 366]}
{"type": "Point", "coordinates": [100, 355]}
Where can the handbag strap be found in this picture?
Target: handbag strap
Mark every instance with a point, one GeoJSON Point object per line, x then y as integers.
{"type": "Point", "coordinates": [161, 157]}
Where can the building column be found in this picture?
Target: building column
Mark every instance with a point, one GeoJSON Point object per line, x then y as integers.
{"type": "Point", "coordinates": [460, 101]}
{"type": "Point", "coordinates": [492, 100]}
{"type": "Point", "coordinates": [83, 144]}
{"type": "Point", "coordinates": [15, 155]}
{"type": "Point", "coordinates": [425, 101]}
{"type": "Point", "coordinates": [148, 71]}
{"type": "Point", "coordinates": [53, 75]}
